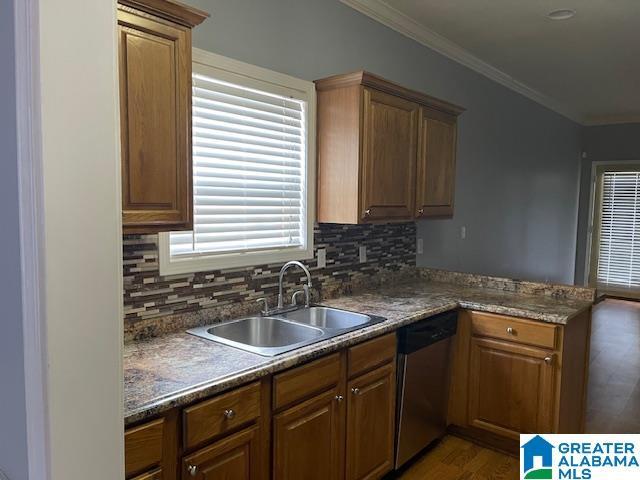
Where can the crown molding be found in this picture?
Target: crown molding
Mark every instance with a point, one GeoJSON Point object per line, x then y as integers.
{"type": "Point", "coordinates": [398, 21]}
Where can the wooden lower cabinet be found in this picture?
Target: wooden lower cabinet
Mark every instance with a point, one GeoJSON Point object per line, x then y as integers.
{"type": "Point", "coordinates": [329, 419]}
{"type": "Point", "coordinates": [235, 457]}
{"type": "Point", "coordinates": [308, 439]}
{"type": "Point", "coordinates": [513, 376]}
{"type": "Point", "coordinates": [153, 475]}
{"type": "Point", "coordinates": [370, 423]}
{"type": "Point", "coordinates": [511, 388]}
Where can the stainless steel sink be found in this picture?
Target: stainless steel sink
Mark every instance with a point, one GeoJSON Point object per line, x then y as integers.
{"type": "Point", "coordinates": [262, 335]}
{"type": "Point", "coordinates": [328, 318]}
{"type": "Point", "coordinates": [283, 332]}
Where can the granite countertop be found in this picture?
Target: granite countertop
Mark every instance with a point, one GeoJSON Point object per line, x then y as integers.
{"type": "Point", "coordinates": [176, 369]}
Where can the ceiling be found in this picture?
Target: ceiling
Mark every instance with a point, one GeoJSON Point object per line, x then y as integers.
{"type": "Point", "coordinates": [587, 68]}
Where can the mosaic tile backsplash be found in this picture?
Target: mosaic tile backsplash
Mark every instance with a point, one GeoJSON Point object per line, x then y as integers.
{"type": "Point", "coordinates": [151, 300]}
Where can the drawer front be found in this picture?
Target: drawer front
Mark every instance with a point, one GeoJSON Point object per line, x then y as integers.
{"type": "Point", "coordinates": [143, 447]}
{"type": "Point", "coordinates": [371, 354]}
{"type": "Point", "coordinates": [514, 329]}
{"type": "Point", "coordinates": [302, 382]}
{"type": "Point", "coordinates": [208, 419]}
{"type": "Point", "coordinates": [153, 475]}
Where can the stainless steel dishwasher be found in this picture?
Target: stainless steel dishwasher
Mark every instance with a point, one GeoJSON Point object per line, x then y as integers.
{"type": "Point", "coordinates": [423, 383]}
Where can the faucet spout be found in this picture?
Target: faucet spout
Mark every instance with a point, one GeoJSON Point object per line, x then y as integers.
{"type": "Point", "coordinates": [285, 267]}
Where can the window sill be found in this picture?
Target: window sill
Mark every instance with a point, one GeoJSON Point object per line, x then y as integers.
{"type": "Point", "coordinates": [206, 263]}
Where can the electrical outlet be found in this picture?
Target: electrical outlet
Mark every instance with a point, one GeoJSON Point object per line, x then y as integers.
{"type": "Point", "coordinates": [363, 254]}
{"type": "Point", "coordinates": [463, 232]}
{"type": "Point", "coordinates": [322, 257]}
{"type": "Point", "coordinates": [419, 246]}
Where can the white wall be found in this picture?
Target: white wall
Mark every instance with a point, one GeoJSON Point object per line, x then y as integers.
{"type": "Point", "coordinates": [13, 437]}
{"type": "Point", "coordinates": [80, 154]}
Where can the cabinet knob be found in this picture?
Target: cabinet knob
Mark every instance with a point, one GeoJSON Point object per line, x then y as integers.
{"type": "Point", "coordinates": [193, 470]}
{"type": "Point", "coordinates": [510, 330]}
{"type": "Point", "coordinates": [367, 212]}
{"type": "Point", "coordinates": [339, 398]}
{"type": "Point", "coordinates": [421, 212]}
{"type": "Point", "coordinates": [355, 391]}
{"type": "Point", "coordinates": [229, 414]}
{"type": "Point", "coordinates": [548, 360]}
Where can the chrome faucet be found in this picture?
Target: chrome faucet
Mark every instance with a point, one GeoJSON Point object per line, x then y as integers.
{"type": "Point", "coordinates": [306, 287]}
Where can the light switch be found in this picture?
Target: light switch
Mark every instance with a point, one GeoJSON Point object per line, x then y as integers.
{"type": "Point", "coordinates": [363, 254]}
{"type": "Point", "coordinates": [463, 232]}
{"type": "Point", "coordinates": [419, 246]}
{"type": "Point", "coordinates": [322, 257]}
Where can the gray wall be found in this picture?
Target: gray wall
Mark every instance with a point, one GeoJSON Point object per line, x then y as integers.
{"type": "Point", "coordinates": [517, 177]}
{"type": "Point", "coordinates": [606, 143]}
{"type": "Point", "coordinates": [13, 444]}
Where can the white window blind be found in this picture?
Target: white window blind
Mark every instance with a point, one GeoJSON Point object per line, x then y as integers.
{"type": "Point", "coordinates": [619, 233]}
{"type": "Point", "coordinates": [248, 171]}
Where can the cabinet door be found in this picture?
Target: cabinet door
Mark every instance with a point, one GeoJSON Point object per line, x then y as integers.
{"type": "Point", "coordinates": [155, 123]}
{"type": "Point", "coordinates": [511, 388]}
{"type": "Point", "coordinates": [436, 169]}
{"type": "Point", "coordinates": [233, 458]}
{"type": "Point", "coordinates": [388, 157]}
{"type": "Point", "coordinates": [370, 423]}
{"type": "Point", "coordinates": [309, 439]}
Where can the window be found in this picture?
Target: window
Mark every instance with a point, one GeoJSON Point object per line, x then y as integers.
{"type": "Point", "coordinates": [253, 169]}
{"type": "Point", "coordinates": [617, 235]}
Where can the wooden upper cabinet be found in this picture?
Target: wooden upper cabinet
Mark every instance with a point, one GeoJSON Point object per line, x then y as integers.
{"type": "Point", "coordinates": [388, 156]}
{"type": "Point", "coordinates": [155, 114]}
{"type": "Point", "coordinates": [381, 149]}
{"type": "Point", "coordinates": [436, 165]}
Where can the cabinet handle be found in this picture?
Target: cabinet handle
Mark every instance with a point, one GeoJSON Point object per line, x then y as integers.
{"type": "Point", "coordinates": [367, 212]}
{"type": "Point", "coordinates": [339, 398]}
{"type": "Point", "coordinates": [548, 360]}
{"type": "Point", "coordinates": [421, 212]}
{"type": "Point", "coordinates": [193, 470]}
{"type": "Point", "coordinates": [229, 414]}
{"type": "Point", "coordinates": [510, 330]}
{"type": "Point", "coordinates": [355, 390]}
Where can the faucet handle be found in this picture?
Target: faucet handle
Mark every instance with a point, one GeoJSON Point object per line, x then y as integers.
{"type": "Point", "coordinates": [264, 301]}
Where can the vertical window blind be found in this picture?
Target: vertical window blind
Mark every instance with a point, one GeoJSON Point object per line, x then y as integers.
{"type": "Point", "coordinates": [619, 233]}
{"type": "Point", "coordinates": [248, 171]}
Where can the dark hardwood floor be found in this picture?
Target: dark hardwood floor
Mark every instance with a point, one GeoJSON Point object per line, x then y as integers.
{"type": "Point", "coordinates": [613, 404]}
{"type": "Point", "coordinates": [456, 459]}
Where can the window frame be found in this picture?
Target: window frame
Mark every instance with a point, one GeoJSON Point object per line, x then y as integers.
{"type": "Point", "coordinates": [259, 78]}
{"type": "Point", "coordinates": [593, 245]}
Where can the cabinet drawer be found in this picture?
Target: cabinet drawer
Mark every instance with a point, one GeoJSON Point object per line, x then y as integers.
{"type": "Point", "coordinates": [304, 381]}
{"type": "Point", "coordinates": [143, 447]}
{"type": "Point", "coordinates": [371, 354]}
{"type": "Point", "coordinates": [220, 414]}
{"type": "Point", "coordinates": [514, 329]}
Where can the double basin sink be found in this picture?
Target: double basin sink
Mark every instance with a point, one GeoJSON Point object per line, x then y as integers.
{"type": "Point", "coordinates": [283, 332]}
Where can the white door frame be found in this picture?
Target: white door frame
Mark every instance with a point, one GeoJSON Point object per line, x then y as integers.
{"type": "Point", "coordinates": [592, 206]}
{"type": "Point", "coordinates": [31, 234]}
{"type": "Point", "coordinates": [72, 313]}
